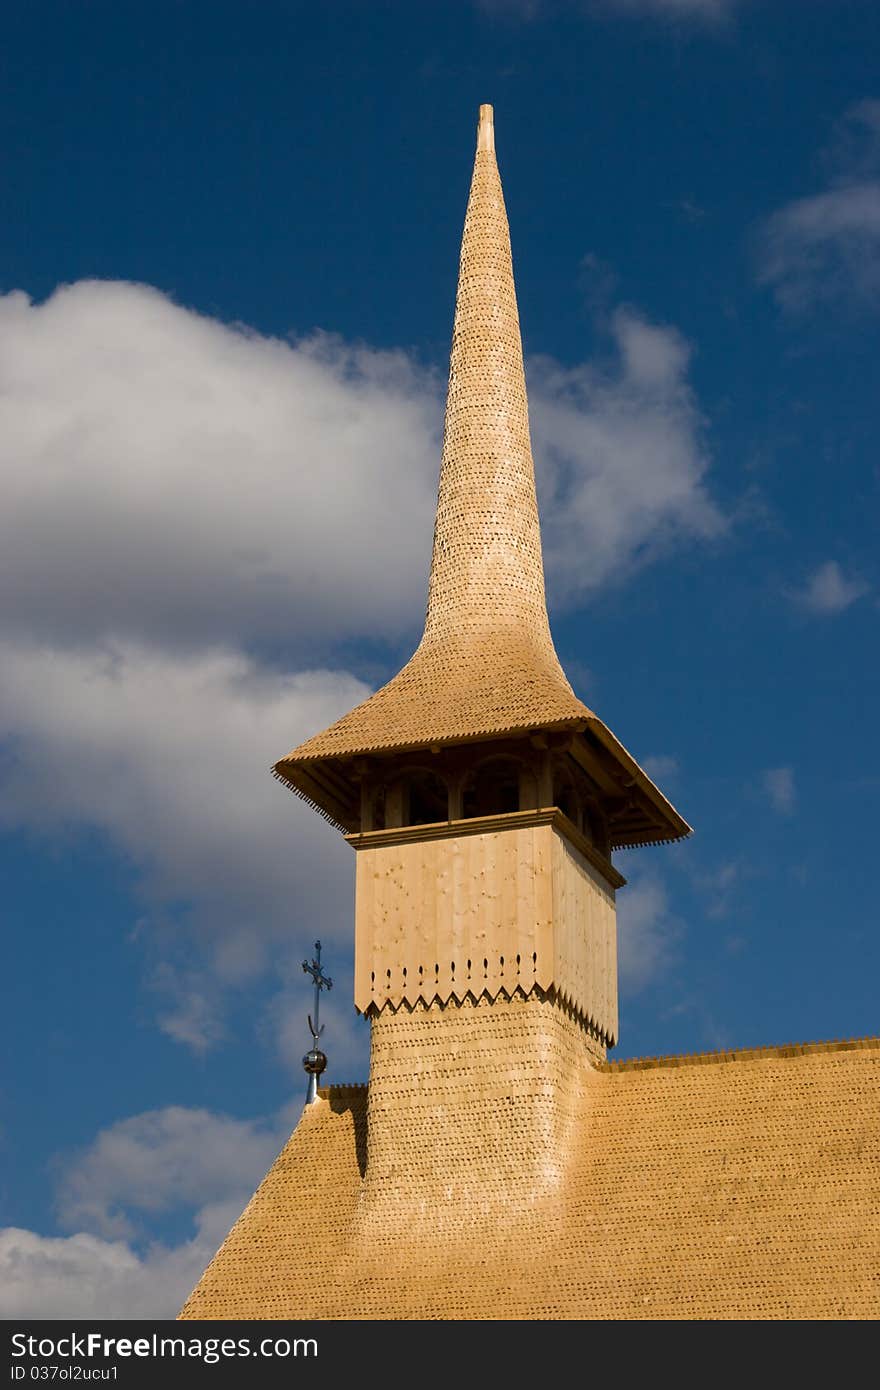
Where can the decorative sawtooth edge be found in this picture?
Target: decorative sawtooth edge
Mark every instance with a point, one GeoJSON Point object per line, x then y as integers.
{"type": "Point", "coordinates": [411, 986]}
{"type": "Point", "coordinates": [745, 1054]}
{"type": "Point", "coordinates": [568, 1001]}
{"type": "Point", "coordinates": [616, 844]}
{"type": "Point", "coordinates": [304, 796]}
{"type": "Point", "coordinates": [340, 1090]}
{"type": "Point", "coordinates": [550, 993]}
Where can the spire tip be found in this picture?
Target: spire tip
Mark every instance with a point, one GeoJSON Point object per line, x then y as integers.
{"type": "Point", "coordinates": [486, 129]}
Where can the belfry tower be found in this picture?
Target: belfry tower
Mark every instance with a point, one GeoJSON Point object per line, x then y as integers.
{"type": "Point", "coordinates": [482, 798]}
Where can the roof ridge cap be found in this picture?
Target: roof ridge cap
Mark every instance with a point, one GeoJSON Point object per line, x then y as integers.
{"type": "Point", "coordinates": [741, 1054]}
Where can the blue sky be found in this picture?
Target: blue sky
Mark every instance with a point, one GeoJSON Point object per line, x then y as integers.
{"type": "Point", "coordinates": [227, 262]}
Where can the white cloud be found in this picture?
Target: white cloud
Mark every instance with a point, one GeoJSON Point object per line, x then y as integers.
{"type": "Point", "coordinates": [191, 1002]}
{"type": "Point", "coordinates": [82, 1276]}
{"type": "Point", "coordinates": [778, 783]}
{"type": "Point", "coordinates": [825, 248]}
{"type": "Point", "coordinates": [661, 767]}
{"type": "Point", "coordinates": [174, 479]}
{"type": "Point", "coordinates": [515, 9]}
{"type": "Point", "coordinates": [646, 933]}
{"type": "Point", "coordinates": [717, 885]}
{"type": "Point", "coordinates": [163, 1160]}
{"type": "Point", "coordinates": [817, 248]}
{"type": "Point", "coordinates": [828, 591]}
{"type": "Point", "coordinates": [175, 1159]}
{"type": "Point", "coordinates": [171, 477]}
{"type": "Point", "coordinates": [169, 755]}
{"type": "Point", "coordinates": [853, 152]}
{"type": "Point", "coordinates": [676, 9]}
{"type": "Point", "coordinates": [622, 459]}
{"type": "Point", "coordinates": [712, 10]}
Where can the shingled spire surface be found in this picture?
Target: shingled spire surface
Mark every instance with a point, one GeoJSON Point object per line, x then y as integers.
{"type": "Point", "coordinates": [486, 663]}
{"type": "Point", "coordinates": [486, 666]}
{"type": "Point", "coordinates": [487, 576]}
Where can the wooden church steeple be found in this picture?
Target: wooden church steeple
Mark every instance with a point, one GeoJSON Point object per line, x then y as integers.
{"type": "Point", "coordinates": [481, 733]}
{"type": "Point", "coordinates": [496, 1165]}
{"type": "Point", "coordinates": [485, 668]}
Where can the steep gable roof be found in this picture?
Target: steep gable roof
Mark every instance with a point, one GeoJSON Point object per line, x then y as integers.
{"type": "Point", "coordinates": [729, 1185]}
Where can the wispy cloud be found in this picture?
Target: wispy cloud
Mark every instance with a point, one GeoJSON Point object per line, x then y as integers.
{"type": "Point", "coordinates": [712, 10]}
{"type": "Point", "coordinates": [647, 933]}
{"type": "Point", "coordinates": [826, 247]}
{"type": "Point", "coordinates": [690, 210]}
{"type": "Point", "coordinates": [175, 479]}
{"type": "Point", "coordinates": [175, 1159]}
{"type": "Point", "coordinates": [168, 755]}
{"type": "Point", "coordinates": [661, 767]}
{"type": "Point", "coordinates": [622, 462]}
{"type": "Point", "coordinates": [162, 1160]}
{"type": "Point", "coordinates": [828, 591]}
{"type": "Point", "coordinates": [778, 784]}
{"type": "Point", "coordinates": [531, 10]}
{"type": "Point", "coordinates": [524, 10]}
{"type": "Point", "coordinates": [717, 886]}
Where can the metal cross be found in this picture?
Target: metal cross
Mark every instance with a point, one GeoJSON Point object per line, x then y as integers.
{"type": "Point", "coordinates": [322, 981]}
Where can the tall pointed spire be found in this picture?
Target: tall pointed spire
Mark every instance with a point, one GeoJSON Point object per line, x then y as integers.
{"type": "Point", "coordinates": [486, 662]}
{"type": "Point", "coordinates": [486, 666]}
{"type": "Point", "coordinates": [486, 571]}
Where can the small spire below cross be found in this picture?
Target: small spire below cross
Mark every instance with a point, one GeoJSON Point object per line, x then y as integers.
{"type": "Point", "coordinates": [315, 1061]}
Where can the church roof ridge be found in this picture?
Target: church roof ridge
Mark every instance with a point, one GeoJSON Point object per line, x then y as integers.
{"type": "Point", "coordinates": [716, 1056]}
{"type": "Point", "coordinates": [740, 1054]}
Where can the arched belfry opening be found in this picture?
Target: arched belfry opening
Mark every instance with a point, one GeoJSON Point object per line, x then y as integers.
{"type": "Point", "coordinates": [428, 798]}
{"type": "Point", "coordinates": [566, 795]}
{"type": "Point", "coordinates": [492, 787]}
{"type": "Point", "coordinates": [415, 796]}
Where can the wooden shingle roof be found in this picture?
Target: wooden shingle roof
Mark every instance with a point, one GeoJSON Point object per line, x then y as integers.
{"type": "Point", "coordinates": [729, 1185]}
